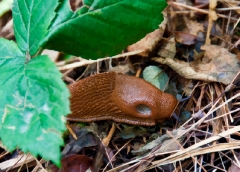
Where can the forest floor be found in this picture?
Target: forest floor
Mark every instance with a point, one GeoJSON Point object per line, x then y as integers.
{"type": "Point", "coordinates": [197, 48]}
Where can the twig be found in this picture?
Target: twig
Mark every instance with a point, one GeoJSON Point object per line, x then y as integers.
{"type": "Point", "coordinates": [200, 10]}
{"type": "Point", "coordinates": [107, 139]}
{"type": "Point", "coordinates": [87, 62]}
{"type": "Point", "coordinates": [227, 9]}
{"type": "Point", "coordinates": [116, 154]}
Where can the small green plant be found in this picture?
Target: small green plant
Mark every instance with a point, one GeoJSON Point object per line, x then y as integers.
{"type": "Point", "coordinates": [34, 100]}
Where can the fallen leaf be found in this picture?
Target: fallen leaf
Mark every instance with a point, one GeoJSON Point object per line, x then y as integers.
{"type": "Point", "coordinates": [156, 76]}
{"type": "Point", "coordinates": [166, 141]}
{"type": "Point", "coordinates": [194, 27]}
{"type": "Point", "coordinates": [185, 38]}
{"type": "Point", "coordinates": [74, 163]}
{"type": "Point", "coordinates": [217, 65]}
{"type": "Point", "coordinates": [168, 49]}
{"type": "Point", "coordinates": [85, 139]}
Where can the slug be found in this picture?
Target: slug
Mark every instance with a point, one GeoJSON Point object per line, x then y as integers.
{"type": "Point", "coordinates": [121, 98]}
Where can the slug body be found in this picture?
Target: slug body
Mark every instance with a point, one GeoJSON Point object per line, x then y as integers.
{"type": "Point", "coordinates": [121, 98]}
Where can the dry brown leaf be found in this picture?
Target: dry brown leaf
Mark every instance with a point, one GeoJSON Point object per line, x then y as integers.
{"type": "Point", "coordinates": [194, 27]}
{"type": "Point", "coordinates": [168, 50]}
{"type": "Point", "coordinates": [172, 144]}
{"type": "Point", "coordinates": [185, 38]}
{"type": "Point", "coordinates": [147, 43]}
{"type": "Point", "coordinates": [150, 40]}
{"type": "Point", "coordinates": [74, 163]}
{"type": "Point", "coordinates": [184, 69]}
{"type": "Point", "coordinates": [218, 62]}
{"type": "Point", "coordinates": [217, 65]}
{"type": "Point", "coordinates": [167, 141]}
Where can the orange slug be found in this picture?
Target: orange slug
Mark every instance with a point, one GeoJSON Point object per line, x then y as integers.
{"type": "Point", "coordinates": [121, 98]}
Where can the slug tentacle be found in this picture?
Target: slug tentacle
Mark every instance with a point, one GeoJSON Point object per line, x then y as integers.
{"type": "Point", "coordinates": [119, 97]}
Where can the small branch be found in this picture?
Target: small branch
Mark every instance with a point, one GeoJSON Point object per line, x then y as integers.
{"type": "Point", "coordinates": [201, 11]}
{"type": "Point", "coordinates": [87, 62]}
{"type": "Point", "coordinates": [107, 139]}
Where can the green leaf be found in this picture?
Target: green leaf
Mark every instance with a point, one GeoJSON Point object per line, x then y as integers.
{"type": "Point", "coordinates": [64, 13]}
{"type": "Point", "coordinates": [34, 101]}
{"type": "Point", "coordinates": [156, 76]}
{"type": "Point", "coordinates": [5, 6]}
{"type": "Point", "coordinates": [9, 49]}
{"type": "Point", "coordinates": [31, 20]}
{"type": "Point", "coordinates": [106, 27]}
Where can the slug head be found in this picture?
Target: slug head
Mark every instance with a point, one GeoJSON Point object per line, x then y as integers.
{"type": "Point", "coordinates": [142, 102]}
